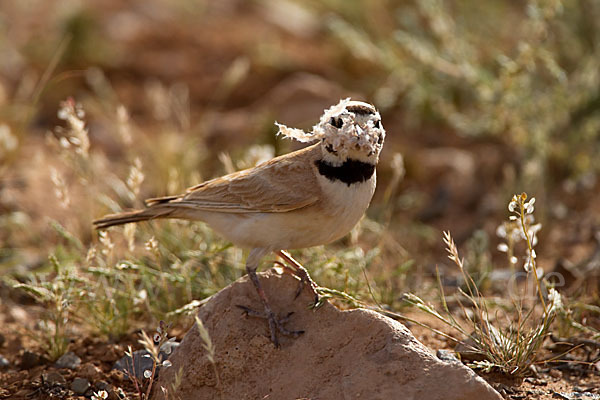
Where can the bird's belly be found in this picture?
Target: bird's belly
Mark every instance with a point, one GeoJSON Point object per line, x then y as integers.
{"type": "Point", "coordinates": [321, 223]}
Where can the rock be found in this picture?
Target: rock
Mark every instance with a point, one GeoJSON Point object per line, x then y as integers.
{"type": "Point", "coordinates": [54, 378]}
{"type": "Point", "coordinates": [466, 349]}
{"type": "Point", "coordinates": [68, 360]}
{"type": "Point", "coordinates": [89, 371]}
{"type": "Point", "coordinates": [556, 374]}
{"type": "Point", "coordinates": [355, 354]}
{"type": "Point", "coordinates": [142, 363]}
{"type": "Point", "coordinates": [137, 367]}
{"type": "Point", "coordinates": [80, 385]}
{"type": "Point", "coordinates": [30, 359]}
{"type": "Point", "coordinates": [447, 356]}
{"type": "Point", "coordinates": [103, 385]}
{"type": "Point", "coordinates": [4, 363]}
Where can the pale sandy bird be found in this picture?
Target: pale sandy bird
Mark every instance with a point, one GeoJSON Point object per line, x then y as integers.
{"type": "Point", "coordinates": [305, 198]}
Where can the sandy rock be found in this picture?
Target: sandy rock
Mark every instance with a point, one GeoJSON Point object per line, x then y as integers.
{"type": "Point", "coordinates": [356, 354]}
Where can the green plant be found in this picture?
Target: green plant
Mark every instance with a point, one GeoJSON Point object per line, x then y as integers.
{"type": "Point", "coordinates": [59, 297]}
{"type": "Point", "coordinates": [509, 342]}
{"type": "Point", "coordinates": [155, 349]}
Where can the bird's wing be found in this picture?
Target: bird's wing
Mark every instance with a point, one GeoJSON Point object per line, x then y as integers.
{"type": "Point", "coordinates": [282, 184]}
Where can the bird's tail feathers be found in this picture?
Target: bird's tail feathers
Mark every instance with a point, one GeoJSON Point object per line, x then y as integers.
{"type": "Point", "coordinates": [159, 211]}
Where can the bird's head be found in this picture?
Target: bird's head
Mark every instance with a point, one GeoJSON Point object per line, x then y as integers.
{"type": "Point", "coordinates": [348, 130]}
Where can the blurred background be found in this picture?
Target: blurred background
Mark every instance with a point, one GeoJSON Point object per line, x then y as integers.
{"type": "Point", "coordinates": [480, 100]}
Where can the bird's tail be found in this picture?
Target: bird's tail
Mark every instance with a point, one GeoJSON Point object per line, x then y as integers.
{"type": "Point", "coordinates": [153, 212]}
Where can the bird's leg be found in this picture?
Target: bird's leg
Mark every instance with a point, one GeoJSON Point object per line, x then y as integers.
{"type": "Point", "coordinates": [301, 273]}
{"type": "Point", "coordinates": [275, 324]}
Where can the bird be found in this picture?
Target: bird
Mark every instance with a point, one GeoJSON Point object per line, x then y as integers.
{"type": "Point", "coordinates": [309, 197]}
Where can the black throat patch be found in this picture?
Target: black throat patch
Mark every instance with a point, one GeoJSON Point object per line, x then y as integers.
{"type": "Point", "coordinates": [351, 171]}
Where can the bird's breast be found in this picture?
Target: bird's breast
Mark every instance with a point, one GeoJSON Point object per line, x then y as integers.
{"type": "Point", "coordinates": [344, 205]}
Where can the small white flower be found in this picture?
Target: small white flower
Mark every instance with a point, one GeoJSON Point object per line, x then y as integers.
{"type": "Point", "coordinates": [533, 255]}
{"type": "Point", "coordinates": [522, 235]}
{"type": "Point", "coordinates": [552, 294]}
{"type": "Point", "coordinates": [501, 231]}
{"type": "Point", "coordinates": [512, 206]}
{"type": "Point", "coordinates": [147, 374]}
{"type": "Point", "coordinates": [79, 112]}
{"type": "Point", "coordinates": [535, 228]}
{"type": "Point", "coordinates": [8, 141]}
{"type": "Point", "coordinates": [503, 247]}
{"type": "Point", "coordinates": [555, 300]}
{"type": "Point", "coordinates": [64, 142]}
{"type": "Point", "coordinates": [528, 266]}
{"type": "Point", "coordinates": [513, 217]}
{"type": "Point", "coordinates": [151, 244]}
{"type": "Point", "coordinates": [141, 297]}
{"type": "Point", "coordinates": [63, 114]}
{"type": "Point", "coordinates": [540, 273]}
{"type": "Point", "coordinates": [101, 395]}
{"type": "Point", "coordinates": [513, 260]}
{"type": "Point", "coordinates": [515, 234]}
{"type": "Point", "coordinates": [166, 363]}
{"type": "Point", "coordinates": [529, 206]}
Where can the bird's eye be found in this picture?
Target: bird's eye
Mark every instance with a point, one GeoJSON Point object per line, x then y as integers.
{"type": "Point", "coordinates": [377, 124]}
{"type": "Point", "coordinates": [330, 149]}
{"type": "Point", "coordinates": [337, 122]}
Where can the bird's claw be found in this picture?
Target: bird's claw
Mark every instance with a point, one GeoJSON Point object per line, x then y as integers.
{"type": "Point", "coordinates": [275, 324]}
{"type": "Point", "coordinates": [306, 281]}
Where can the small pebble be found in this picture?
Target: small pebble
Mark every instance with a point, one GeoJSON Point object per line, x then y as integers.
{"type": "Point", "coordinates": [89, 371]}
{"type": "Point", "coordinates": [556, 374]}
{"type": "Point", "coordinates": [30, 359]}
{"type": "Point", "coordinates": [103, 385]}
{"type": "Point", "coordinates": [447, 355]}
{"type": "Point", "coordinates": [54, 378]}
{"type": "Point", "coordinates": [80, 385]}
{"type": "Point", "coordinates": [68, 360]}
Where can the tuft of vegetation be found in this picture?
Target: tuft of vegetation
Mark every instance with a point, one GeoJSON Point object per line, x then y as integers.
{"type": "Point", "coordinates": [508, 341]}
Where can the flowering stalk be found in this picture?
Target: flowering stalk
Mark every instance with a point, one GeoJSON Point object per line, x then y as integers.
{"type": "Point", "coordinates": [526, 208]}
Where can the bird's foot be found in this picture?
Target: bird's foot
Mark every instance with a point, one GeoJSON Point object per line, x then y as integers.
{"type": "Point", "coordinates": [275, 324]}
{"type": "Point", "coordinates": [305, 280]}
{"type": "Point", "coordinates": [296, 269]}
